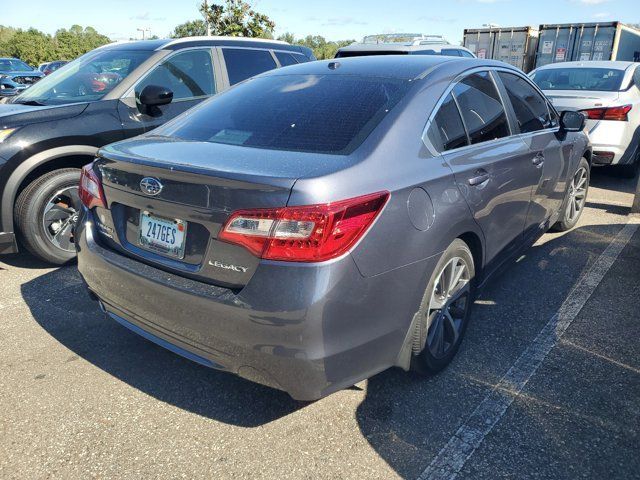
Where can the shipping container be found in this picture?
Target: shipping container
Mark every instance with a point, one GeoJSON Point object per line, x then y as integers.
{"type": "Point", "coordinates": [587, 41]}
{"type": "Point", "coordinates": [515, 46]}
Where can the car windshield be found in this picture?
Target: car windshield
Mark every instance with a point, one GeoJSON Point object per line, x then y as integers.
{"type": "Point", "coordinates": [594, 79]}
{"type": "Point", "coordinates": [13, 65]}
{"type": "Point", "coordinates": [308, 113]}
{"type": "Point", "coordinates": [87, 79]}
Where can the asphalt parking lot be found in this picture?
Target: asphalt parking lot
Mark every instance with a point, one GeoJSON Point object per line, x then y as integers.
{"type": "Point", "coordinates": [546, 385]}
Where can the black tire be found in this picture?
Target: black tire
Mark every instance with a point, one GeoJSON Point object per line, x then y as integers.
{"type": "Point", "coordinates": [566, 220]}
{"type": "Point", "coordinates": [423, 361]}
{"type": "Point", "coordinates": [29, 214]}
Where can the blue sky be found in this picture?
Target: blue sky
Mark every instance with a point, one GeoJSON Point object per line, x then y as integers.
{"type": "Point", "coordinates": [333, 19]}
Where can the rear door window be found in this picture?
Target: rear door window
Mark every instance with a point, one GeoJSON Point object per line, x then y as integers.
{"type": "Point", "coordinates": [447, 130]}
{"type": "Point", "coordinates": [451, 52]}
{"type": "Point", "coordinates": [188, 74]}
{"type": "Point", "coordinates": [244, 63]}
{"type": "Point", "coordinates": [530, 107]}
{"type": "Point", "coordinates": [481, 108]}
{"type": "Point", "coordinates": [301, 58]}
{"type": "Point", "coordinates": [285, 59]}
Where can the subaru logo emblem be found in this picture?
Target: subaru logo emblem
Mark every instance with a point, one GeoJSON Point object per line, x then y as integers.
{"type": "Point", "coordinates": [151, 186]}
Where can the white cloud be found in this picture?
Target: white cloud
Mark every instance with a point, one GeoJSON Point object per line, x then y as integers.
{"type": "Point", "coordinates": [601, 15]}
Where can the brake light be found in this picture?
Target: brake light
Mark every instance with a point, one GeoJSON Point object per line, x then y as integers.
{"type": "Point", "coordinates": [90, 189]}
{"type": "Point", "coordinates": [610, 113]}
{"type": "Point", "coordinates": [310, 233]}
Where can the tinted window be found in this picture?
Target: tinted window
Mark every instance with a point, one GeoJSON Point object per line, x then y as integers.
{"type": "Point", "coordinates": [451, 52]}
{"type": "Point", "coordinates": [242, 64]}
{"type": "Point", "coordinates": [312, 113]}
{"type": "Point", "coordinates": [530, 107]}
{"type": "Point", "coordinates": [424, 52]}
{"type": "Point", "coordinates": [285, 59]}
{"type": "Point", "coordinates": [466, 54]}
{"type": "Point", "coordinates": [188, 75]}
{"type": "Point", "coordinates": [301, 58]}
{"type": "Point", "coordinates": [447, 131]}
{"type": "Point", "coordinates": [481, 108]}
{"type": "Point", "coordinates": [595, 79]}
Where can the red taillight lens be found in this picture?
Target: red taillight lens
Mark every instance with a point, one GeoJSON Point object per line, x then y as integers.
{"type": "Point", "coordinates": [90, 189]}
{"type": "Point", "coordinates": [311, 233]}
{"type": "Point", "coordinates": [610, 113]}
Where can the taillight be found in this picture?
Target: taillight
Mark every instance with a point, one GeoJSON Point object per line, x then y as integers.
{"type": "Point", "coordinates": [310, 233]}
{"type": "Point", "coordinates": [90, 189]}
{"type": "Point", "coordinates": [610, 113]}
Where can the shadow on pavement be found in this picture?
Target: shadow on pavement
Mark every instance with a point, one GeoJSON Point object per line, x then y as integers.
{"type": "Point", "coordinates": [610, 179]}
{"type": "Point", "coordinates": [407, 420]}
{"type": "Point", "coordinates": [404, 418]}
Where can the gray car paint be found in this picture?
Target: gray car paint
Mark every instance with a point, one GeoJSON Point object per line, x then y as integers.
{"type": "Point", "coordinates": [312, 329]}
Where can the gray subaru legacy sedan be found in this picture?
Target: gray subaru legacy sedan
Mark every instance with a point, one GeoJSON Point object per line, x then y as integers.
{"type": "Point", "coordinates": [320, 223]}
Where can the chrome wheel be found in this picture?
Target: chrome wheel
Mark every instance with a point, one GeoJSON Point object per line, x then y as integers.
{"type": "Point", "coordinates": [577, 194]}
{"type": "Point", "coordinates": [448, 307]}
{"type": "Point", "coordinates": [59, 217]}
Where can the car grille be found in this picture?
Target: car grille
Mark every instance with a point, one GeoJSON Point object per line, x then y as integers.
{"type": "Point", "coordinates": [25, 80]}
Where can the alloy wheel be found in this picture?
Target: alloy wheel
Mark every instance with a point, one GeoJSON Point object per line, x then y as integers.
{"type": "Point", "coordinates": [577, 194]}
{"type": "Point", "coordinates": [59, 217]}
{"type": "Point", "coordinates": [448, 307]}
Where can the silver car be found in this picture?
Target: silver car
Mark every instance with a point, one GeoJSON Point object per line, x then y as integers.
{"type": "Point", "coordinates": [608, 93]}
{"type": "Point", "coordinates": [318, 224]}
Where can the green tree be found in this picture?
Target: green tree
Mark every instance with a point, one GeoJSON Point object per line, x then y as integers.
{"type": "Point", "coordinates": [193, 28]}
{"type": "Point", "coordinates": [31, 46]}
{"type": "Point", "coordinates": [322, 49]}
{"type": "Point", "coordinates": [76, 41]}
{"type": "Point", "coordinates": [236, 18]}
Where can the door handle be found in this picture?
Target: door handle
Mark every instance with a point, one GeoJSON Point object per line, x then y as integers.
{"type": "Point", "coordinates": [538, 160]}
{"type": "Point", "coordinates": [481, 176]}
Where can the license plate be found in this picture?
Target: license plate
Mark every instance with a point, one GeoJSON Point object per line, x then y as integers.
{"type": "Point", "coordinates": [163, 235]}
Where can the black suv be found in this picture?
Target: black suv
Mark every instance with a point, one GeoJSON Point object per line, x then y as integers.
{"type": "Point", "coordinates": [52, 129]}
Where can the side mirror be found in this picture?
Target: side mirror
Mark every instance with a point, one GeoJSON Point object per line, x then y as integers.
{"type": "Point", "coordinates": [154, 96]}
{"type": "Point", "coordinates": [572, 121]}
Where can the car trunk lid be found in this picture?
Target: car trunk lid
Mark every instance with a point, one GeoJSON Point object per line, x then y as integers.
{"type": "Point", "coordinates": [201, 185]}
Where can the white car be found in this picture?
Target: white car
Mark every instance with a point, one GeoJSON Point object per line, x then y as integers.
{"type": "Point", "coordinates": [608, 93]}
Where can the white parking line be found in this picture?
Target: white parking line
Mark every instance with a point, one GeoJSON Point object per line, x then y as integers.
{"type": "Point", "coordinates": [462, 445]}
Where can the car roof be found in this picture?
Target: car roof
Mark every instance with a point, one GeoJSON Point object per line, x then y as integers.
{"type": "Point", "coordinates": [188, 42]}
{"type": "Point", "coordinates": [617, 64]}
{"type": "Point", "coordinates": [400, 47]}
{"type": "Point", "coordinates": [402, 67]}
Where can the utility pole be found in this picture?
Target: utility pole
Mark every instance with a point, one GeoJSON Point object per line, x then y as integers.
{"type": "Point", "coordinates": [143, 30]}
{"type": "Point", "coordinates": [206, 17]}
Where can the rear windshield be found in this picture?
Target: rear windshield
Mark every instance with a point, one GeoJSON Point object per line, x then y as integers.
{"type": "Point", "coordinates": [308, 113]}
{"type": "Point", "coordinates": [594, 79]}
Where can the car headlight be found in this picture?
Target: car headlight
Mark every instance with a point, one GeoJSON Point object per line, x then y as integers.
{"type": "Point", "coordinates": [4, 133]}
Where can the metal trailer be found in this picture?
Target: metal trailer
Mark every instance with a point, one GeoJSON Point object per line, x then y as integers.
{"type": "Point", "coordinates": [515, 46]}
{"type": "Point", "coordinates": [587, 41]}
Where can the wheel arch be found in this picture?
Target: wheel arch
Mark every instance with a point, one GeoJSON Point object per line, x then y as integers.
{"type": "Point", "coordinates": [474, 242]}
{"type": "Point", "coordinates": [35, 166]}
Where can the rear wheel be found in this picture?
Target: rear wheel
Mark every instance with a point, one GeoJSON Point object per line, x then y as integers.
{"type": "Point", "coordinates": [444, 311]}
{"type": "Point", "coordinates": [45, 214]}
{"type": "Point", "coordinates": [576, 198]}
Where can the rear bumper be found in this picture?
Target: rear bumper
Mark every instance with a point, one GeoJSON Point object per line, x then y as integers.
{"type": "Point", "coordinates": [309, 330]}
{"type": "Point", "coordinates": [8, 243]}
{"type": "Point", "coordinates": [614, 143]}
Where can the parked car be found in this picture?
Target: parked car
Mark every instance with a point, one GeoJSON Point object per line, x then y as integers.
{"type": "Point", "coordinates": [315, 226]}
{"type": "Point", "coordinates": [608, 93]}
{"type": "Point", "coordinates": [51, 130]}
{"type": "Point", "coordinates": [53, 66]}
{"type": "Point", "coordinates": [403, 44]}
{"type": "Point", "coordinates": [16, 76]}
